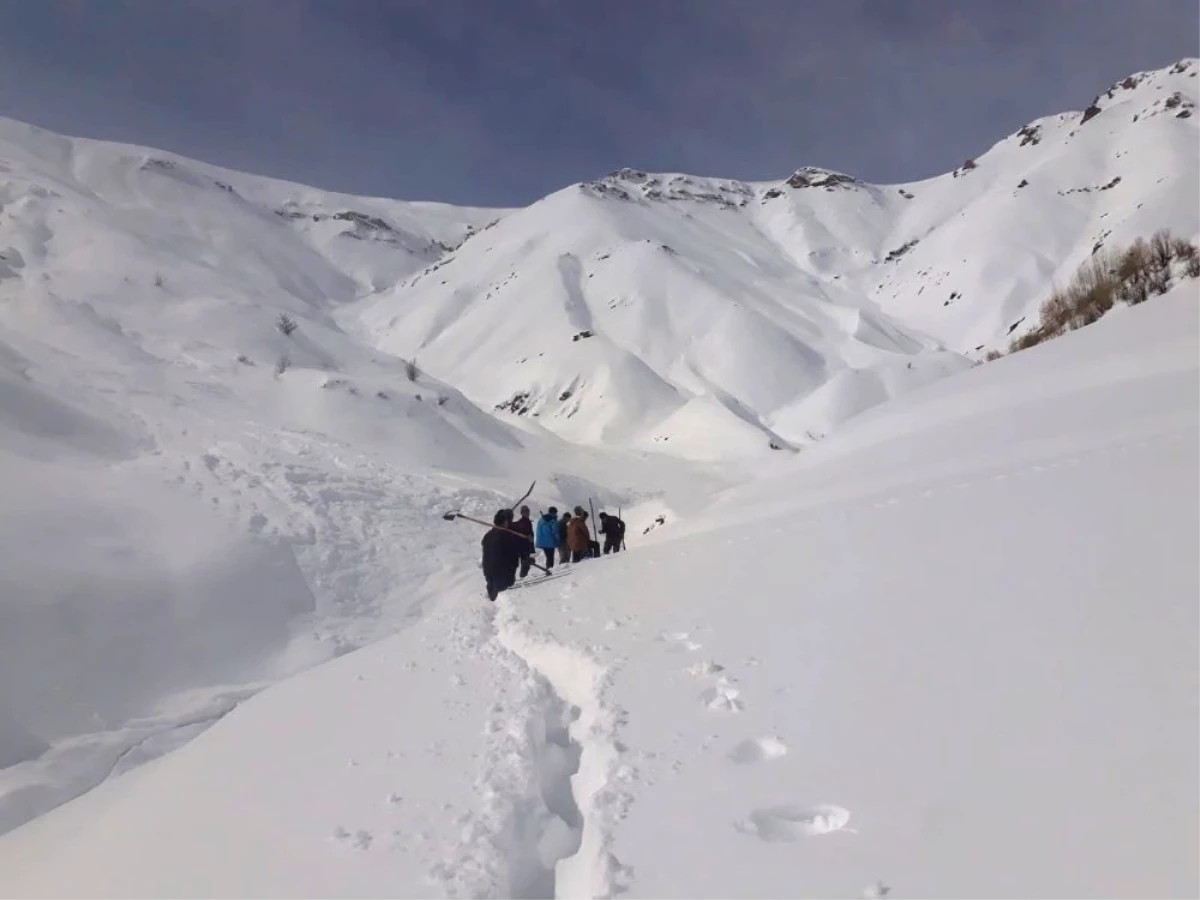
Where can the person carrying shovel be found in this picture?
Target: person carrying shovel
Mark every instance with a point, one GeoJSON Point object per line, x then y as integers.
{"type": "Point", "coordinates": [503, 551]}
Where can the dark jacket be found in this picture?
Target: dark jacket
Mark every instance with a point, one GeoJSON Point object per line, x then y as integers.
{"type": "Point", "coordinates": [612, 527]}
{"type": "Point", "coordinates": [502, 552]}
{"type": "Point", "coordinates": [525, 527]}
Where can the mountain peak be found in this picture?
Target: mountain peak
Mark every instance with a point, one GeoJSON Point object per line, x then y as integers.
{"type": "Point", "coordinates": [1119, 91]}
{"type": "Point", "coordinates": [814, 177]}
{"type": "Point", "coordinates": [633, 184]}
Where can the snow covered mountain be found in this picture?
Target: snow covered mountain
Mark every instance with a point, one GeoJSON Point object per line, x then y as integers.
{"type": "Point", "coordinates": [960, 633]}
{"type": "Point", "coordinates": [710, 317]}
{"type": "Point", "coordinates": [208, 476]}
{"type": "Point", "coordinates": [701, 318]}
{"type": "Point", "coordinates": [232, 410]}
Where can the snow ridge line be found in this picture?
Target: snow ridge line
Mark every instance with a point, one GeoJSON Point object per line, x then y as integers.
{"type": "Point", "coordinates": [594, 788]}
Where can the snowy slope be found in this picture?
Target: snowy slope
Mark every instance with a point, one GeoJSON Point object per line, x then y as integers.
{"type": "Point", "coordinates": [713, 318]}
{"type": "Point", "coordinates": [198, 504]}
{"type": "Point", "coordinates": [655, 324]}
{"type": "Point", "coordinates": [195, 502]}
{"type": "Point", "coordinates": [949, 652]}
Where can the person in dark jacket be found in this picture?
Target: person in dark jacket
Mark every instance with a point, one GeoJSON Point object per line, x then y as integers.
{"type": "Point", "coordinates": [545, 536]}
{"type": "Point", "coordinates": [524, 525]}
{"type": "Point", "coordinates": [564, 551]}
{"type": "Point", "coordinates": [502, 553]}
{"type": "Point", "coordinates": [613, 530]}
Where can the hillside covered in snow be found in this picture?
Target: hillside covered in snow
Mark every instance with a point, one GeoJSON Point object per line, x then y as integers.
{"type": "Point", "coordinates": [714, 318]}
{"type": "Point", "coordinates": [891, 618]}
{"type": "Point", "coordinates": [951, 653]}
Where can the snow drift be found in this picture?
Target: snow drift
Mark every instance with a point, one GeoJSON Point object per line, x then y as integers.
{"type": "Point", "coordinates": [961, 634]}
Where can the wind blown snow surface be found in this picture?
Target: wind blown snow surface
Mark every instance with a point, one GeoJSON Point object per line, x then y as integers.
{"type": "Point", "coordinates": [947, 649]}
{"type": "Point", "coordinates": [949, 652]}
{"type": "Point", "coordinates": [210, 482]}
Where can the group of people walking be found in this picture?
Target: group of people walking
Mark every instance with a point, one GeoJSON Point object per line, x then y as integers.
{"type": "Point", "coordinates": [509, 547]}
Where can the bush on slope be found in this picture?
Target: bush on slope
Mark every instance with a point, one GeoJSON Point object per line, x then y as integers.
{"type": "Point", "coordinates": [1143, 270]}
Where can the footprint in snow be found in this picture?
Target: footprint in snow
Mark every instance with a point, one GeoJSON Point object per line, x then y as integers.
{"type": "Point", "coordinates": [360, 840]}
{"type": "Point", "coordinates": [756, 750]}
{"type": "Point", "coordinates": [680, 641]}
{"type": "Point", "coordinates": [722, 697]}
{"type": "Point", "coordinates": [793, 822]}
{"type": "Point", "coordinates": [705, 669]}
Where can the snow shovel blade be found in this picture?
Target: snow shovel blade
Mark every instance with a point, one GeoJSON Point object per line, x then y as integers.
{"type": "Point", "coordinates": [450, 516]}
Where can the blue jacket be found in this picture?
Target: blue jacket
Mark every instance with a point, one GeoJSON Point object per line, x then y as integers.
{"type": "Point", "coordinates": [545, 536]}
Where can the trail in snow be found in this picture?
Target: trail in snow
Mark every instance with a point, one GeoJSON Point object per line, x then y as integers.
{"type": "Point", "coordinates": [552, 785]}
{"type": "Point", "coordinates": [579, 314]}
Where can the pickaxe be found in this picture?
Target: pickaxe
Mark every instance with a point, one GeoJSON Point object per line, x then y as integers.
{"type": "Point", "coordinates": [455, 514]}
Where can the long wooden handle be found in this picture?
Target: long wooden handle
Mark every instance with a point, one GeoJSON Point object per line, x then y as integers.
{"type": "Point", "coordinates": [502, 528]}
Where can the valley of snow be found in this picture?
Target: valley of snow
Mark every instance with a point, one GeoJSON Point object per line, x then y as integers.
{"type": "Point", "coordinates": [891, 621]}
{"type": "Point", "coordinates": [951, 652]}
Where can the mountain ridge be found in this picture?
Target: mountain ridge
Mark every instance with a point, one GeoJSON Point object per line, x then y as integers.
{"type": "Point", "coordinates": [708, 318]}
{"type": "Point", "coordinates": [834, 283]}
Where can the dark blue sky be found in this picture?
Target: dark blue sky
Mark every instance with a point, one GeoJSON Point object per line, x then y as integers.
{"type": "Point", "coordinates": [502, 101]}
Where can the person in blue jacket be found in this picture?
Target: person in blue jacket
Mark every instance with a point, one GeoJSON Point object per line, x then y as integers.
{"type": "Point", "coordinates": [545, 536]}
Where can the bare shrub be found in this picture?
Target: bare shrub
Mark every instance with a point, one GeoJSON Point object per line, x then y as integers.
{"type": "Point", "coordinates": [411, 371]}
{"type": "Point", "coordinates": [1134, 290]}
{"type": "Point", "coordinates": [1089, 295]}
{"type": "Point", "coordinates": [1096, 284]}
{"type": "Point", "coordinates": [1029, 339]}
{"type": "Point", "coordinates": [1135, 260]}
{"type": "Point", "coordinates": [992, 356]}
{"type": "Point", "coordinates": [1056, 312]}
{"type": "Point", "coordinates": [1158, 279]}
{"type": "Point", "coordinates": [1183, 249]}
{"type": "Point", "coordinates": [1132, 271]}
{"type": "Point", "coordinates": [245, 360]}
{"type": "Point", "coordinates": [282, 365]}
{"type": "Point", "coordinates": [1142, 270]}
{"type": "Point", "coordinates": [1162, 249]}
{"type": "Point", "coordinates": [160, 280]}
{"type": "Point", "coordinates": [286, 324]}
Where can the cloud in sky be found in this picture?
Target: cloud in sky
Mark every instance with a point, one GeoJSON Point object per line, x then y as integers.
{"type": "Point", "coordinates": [501, 102]}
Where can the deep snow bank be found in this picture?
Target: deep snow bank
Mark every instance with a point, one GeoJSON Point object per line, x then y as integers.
{"type": "Point", "coordinates": [965, 666]}
{"type": "Point", "coordinates": [117, 593]}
